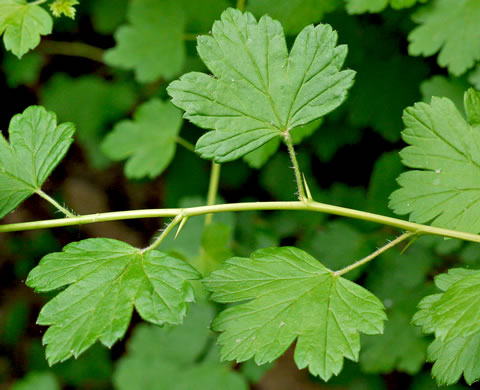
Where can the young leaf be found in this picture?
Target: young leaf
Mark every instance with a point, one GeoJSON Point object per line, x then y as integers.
{"type": "Point", "coordinates": [258, 90]}
{"type": "Point", "coordinates": [446, 189]}
{"type": "Point", "coordinates": [151, 43]}
{"type": "Point", "coordinates": [64, 7]}
{"type": "Point", "coordinates": [291, 295]}
{"type": "Point", "coordinates": [22, 24]}
{"type": "Point", "coordinates": [453, 316]}
{"type": "Point", "coordinates": [106, 278]}
{"type": "Point", "coordinates": [149, 141]}
{"type": "Point", "coordinates": [36, 147]}
{"type": "Point", "coordinates": [176, 356]}
{"type": "Point", "coordinates": [452, 29]}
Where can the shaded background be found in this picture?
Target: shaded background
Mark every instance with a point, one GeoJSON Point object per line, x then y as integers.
{"type": "Point", "coordinates": [350, 160]}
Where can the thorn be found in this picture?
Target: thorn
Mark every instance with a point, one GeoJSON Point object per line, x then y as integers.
{"type": "Point", "coordinates": [184, 220]}
{"type": "Point", "coordinates": [307, 189]}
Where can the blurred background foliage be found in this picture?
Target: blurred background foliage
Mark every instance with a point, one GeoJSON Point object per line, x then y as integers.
{"type": "Point", "coordinates": [110, 80]}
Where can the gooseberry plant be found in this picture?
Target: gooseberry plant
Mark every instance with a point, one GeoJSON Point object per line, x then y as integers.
{"type": "Point", "coordinates": [260, 93]}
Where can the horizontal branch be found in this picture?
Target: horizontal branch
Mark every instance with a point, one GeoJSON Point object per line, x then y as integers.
{"type": "Point", "coordinates": [307, 205]}
{"type": "Point", "coordinates": [74, 49]}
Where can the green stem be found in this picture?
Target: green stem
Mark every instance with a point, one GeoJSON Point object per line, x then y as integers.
{"type": "Point", "coordinates": [241, 5]}
{"type": "Point", "coordinates": [308, 205]}
{"type": "Point", "coordinates": [175, 221]}
{"type": "Point", "coordinates": [296, 167]}
{"type": "Point", "coordinates": [74, 49]}
{"type": "Point", "coordinates": [55, 204]}
{"type": "Point", "coordinates": [187, 145]}
{"type": "Point", "coordinates": [38, 2]}
{"type": "Point", "coordinates": [371, 256]}
{"type": "Point", "coordinates": [212, 188]}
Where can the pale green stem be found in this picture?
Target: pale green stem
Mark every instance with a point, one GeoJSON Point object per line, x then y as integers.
{"type": "Point", "coordinates": [240, 5]}
{"type": "Point", "coordinates": [296, 167]}
{"type": "Point", "coordinates": [187, 145]}
{"type": "Point", "coordinates": [371, 256]}
{"type": "Point", "coordinates": [212, 189]}
{"type": "Point", "coordinates": [73, 49]}
{"type": "Point", "coordinates": [55, 204]}
{"type": "Point", "coordinates": [308, 205]}
{"type": "Point", "coordinates": [175, 221]}
{"type": "Point", "coordinates": [38, 2]}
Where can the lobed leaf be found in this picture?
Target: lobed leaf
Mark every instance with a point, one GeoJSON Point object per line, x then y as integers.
{"type": "Point", "coordinates": [450, 29]}
{"type": "Point", "coordinates": [258, 90]}
{"type": "Point", "coordinates": [175, 358]}
{"type": "Point", "coordinates": [291, 295]}
{"type": "Point", "coordinates": [446, 151]}
{"type": "Point", "coordinates": [22, 24]}
{"type": "Point", "coordinates": [36, 147]}
{"type": "Point", "coordinates": [151, 43]}
{"type": "Point", "coordinates": [453, 316]}
{"type": "Point", "coordinates": [148, 142]}
{"type": "Point", "coordinates": [106, 278]}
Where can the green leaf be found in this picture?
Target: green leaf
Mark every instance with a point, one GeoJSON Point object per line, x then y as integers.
{"type": "Point", "coordinates": [474, 77]}
{"type": "Point", "coordinates": [98, 103]}
{"type": "Point", "coordinates": [25, 71]}
{"type": "Point", "coordinates": [64, 7]}
{"type": "Point", "coordinates": [258, 90]}
{"type": "Point", "coordinates": [451, 30]}
{"type": "Point", "coordinates": [22, 24]}
{"type": "Point", "coordinates": [36, 147]}
{"type": "Point", "coordinates": [382, 182]}
{"type": "Point", "coordinates": [260, 156]}
{"type": "Point", "coordinates": [441, 86]}
{"type": "Point", "coordinates": [175, 358]}
{"type": "Point", "coordinates": [107, 15]}
{"type": "Point", "coordinates": [453, 316]}
{"type": "Point", "coordinates": [151, 43]}
{"type": "Point", "coordinates": [293, 14]}
{"type": "Point", "coordinates": [148, 141]}
{"type": "Point", "coordinates": [106, 278]}
{"type": "Point", "coordinates": [290, 294]}
{"type": "Point", "coordinates": [472, 106]}
{"type": "Point", "coordinates": [446, 189]}
{"type": "Point", "coordinates": [340, 245]}
{"type": "Point", "coordinates": [37, 381]}
{"type": "Point", "coordinates": [362, 6]}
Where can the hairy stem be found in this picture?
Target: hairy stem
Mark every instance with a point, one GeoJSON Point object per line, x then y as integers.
{"type": "Point", "coordinates": [371, 256]}
{"type": "Point", "coordinates": [240, 5]}
{"type": "Point", "coordinates": [308, 205]}
{"type": "Point", "coordinates": [74, 49]}
{"type": "Point", "coordinates": [57, 205]}
{"type": "Point", "coordinates": [187, 145]}
{"type": "Point", "coordinates": [296, 167]}
{"type": "Point", "coordinates": [175, 221]}
{"type": "Point", "coordinates": [212, 188]}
